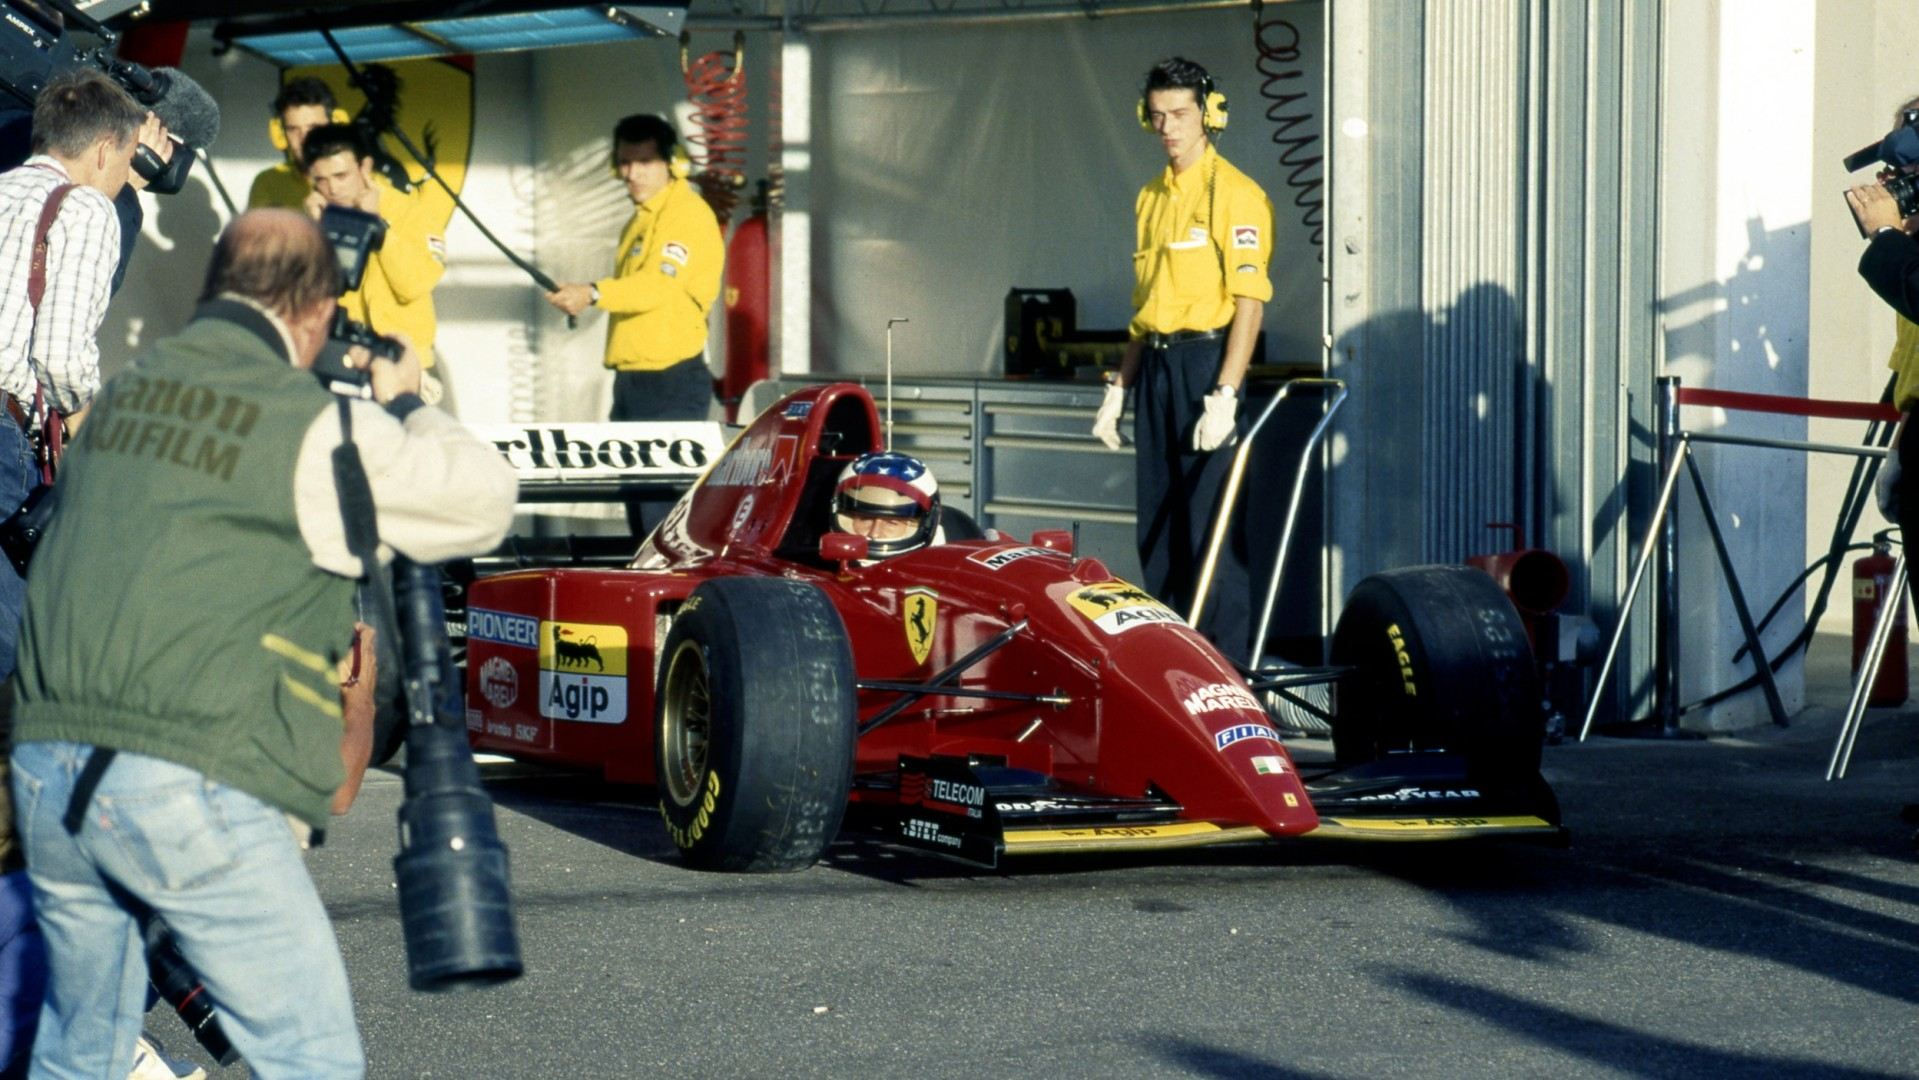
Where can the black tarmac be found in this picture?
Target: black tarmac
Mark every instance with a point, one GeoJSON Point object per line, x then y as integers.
{"type": "Point", "coordinates": [1721, 911]}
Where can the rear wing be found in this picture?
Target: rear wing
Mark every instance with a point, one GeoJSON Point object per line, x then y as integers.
{"type": "Point", "coordinates": [605, 462]}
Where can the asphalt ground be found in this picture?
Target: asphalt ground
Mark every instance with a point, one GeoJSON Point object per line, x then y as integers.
{"type": "Point", "coordinates": [1720, 911]}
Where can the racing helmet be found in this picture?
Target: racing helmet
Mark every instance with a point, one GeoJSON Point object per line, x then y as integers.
{"type": "Point", "coordinates": [891, 499]}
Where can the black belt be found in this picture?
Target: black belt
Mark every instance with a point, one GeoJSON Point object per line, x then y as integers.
{"type": "Point", "coordinates": [1181, 337]}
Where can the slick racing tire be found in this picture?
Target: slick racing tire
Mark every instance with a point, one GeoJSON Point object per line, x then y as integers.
{"type": "Point", "coordinates": [1441, 662]}
{"type": "Point", "coordinates": [754, 725]}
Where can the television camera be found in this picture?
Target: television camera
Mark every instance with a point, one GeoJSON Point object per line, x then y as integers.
{"type": "Point", "coordinates": [36, 43]}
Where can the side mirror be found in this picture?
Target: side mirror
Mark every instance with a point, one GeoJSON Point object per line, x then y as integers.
{"type": "Point", "coordinates": [1054, 540]}
{"type": "Point", "coordinates": [843, 548]}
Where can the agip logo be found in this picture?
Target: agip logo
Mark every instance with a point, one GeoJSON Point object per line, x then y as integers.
{"type": "Point", "coordinates": [583, 672]}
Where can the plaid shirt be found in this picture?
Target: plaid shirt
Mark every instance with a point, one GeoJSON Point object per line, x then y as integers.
{"type": "Point", "coordinates": [82, 248]}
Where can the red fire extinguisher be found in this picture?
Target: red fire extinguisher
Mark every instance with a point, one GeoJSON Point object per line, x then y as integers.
{"type": "Point", "coordinates": [746, 311]}
{"type": "Point", "coordinates": [1871, 582]}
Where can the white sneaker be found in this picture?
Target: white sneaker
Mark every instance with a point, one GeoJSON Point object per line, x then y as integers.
{"type": "Point", "coordinates": [150, 1062]}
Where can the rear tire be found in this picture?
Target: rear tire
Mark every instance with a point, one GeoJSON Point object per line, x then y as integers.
{"type": "Point", "coordinates": [754, 725]}
{"type": "Point", "coordinates": [1441, 662]}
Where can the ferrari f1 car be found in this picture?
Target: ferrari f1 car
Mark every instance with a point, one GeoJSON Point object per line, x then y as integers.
{"type": "Point", "coordinates": [988, 697]}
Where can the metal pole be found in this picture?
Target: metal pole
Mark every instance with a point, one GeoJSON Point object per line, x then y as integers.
{"type": "Point", "coordinates": [1889, 606]}
{"type": "Point", "coordinates": [1286, 533]}
{"type": "Point", "coordinates": [1632, 588]}
{"type": "Point", "coordinates": [1666, 600]}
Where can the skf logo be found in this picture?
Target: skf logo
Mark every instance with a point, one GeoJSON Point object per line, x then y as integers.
{"type": "Point", "coordinates": [1398, 638]}
{"type": "Point", "coordinates": [1116, 607]}
{"type": "Point", "coordinates": [918, 614]}
{"type": "Point", "coordinates": [583, 672]}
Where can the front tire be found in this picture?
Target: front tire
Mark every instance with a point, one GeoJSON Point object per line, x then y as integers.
{"type": "Point", "coordinates": [1441, 662]}
{"type": "Point", "coordinates": [754, 725]}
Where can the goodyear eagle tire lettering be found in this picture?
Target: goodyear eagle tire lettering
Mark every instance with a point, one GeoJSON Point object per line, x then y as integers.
{"type": "Point", "coordinates": [754, 724]}
{"type": "Point", "coordinates": [1441, 662]}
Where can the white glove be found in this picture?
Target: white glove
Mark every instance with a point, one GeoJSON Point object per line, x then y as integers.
{"type": "Point", "coordinates": [1886, 486]}
{"type": "Point", "coordinates": [1215, 427]}
{"type": "Point", "coordinates": [1106, 420]}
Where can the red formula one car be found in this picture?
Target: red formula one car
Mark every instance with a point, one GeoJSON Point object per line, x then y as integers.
{"type": "Point", "coordinates": [990, 697]}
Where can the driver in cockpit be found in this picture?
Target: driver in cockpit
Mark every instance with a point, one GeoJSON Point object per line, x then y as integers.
{"type": "Point", "coordinates": [891, 499]}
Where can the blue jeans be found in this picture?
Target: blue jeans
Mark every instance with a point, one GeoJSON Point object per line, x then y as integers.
{"type": "Point", "coordinates": [223, 870]}
{"type": "Point", "coordinates": [18, 475]}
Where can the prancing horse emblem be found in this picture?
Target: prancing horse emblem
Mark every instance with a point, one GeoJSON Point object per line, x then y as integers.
{"type": "Point", "coordinates": [918, 614]}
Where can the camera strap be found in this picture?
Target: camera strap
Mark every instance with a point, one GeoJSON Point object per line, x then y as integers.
{"type": "Point", "coordinates": [45, 428]}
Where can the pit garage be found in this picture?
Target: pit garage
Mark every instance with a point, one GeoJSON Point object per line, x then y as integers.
{"type": "Point", "coordinates": [1546, 255]}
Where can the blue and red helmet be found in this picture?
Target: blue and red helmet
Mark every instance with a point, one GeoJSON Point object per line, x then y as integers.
{"type": "Point", "coordinates": [897, 493]}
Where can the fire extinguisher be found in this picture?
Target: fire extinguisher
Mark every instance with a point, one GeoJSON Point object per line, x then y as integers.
{"type": "Point", "coordinates": [1871, 582]}
{"type": "Point", "coordinates": [747, 289]}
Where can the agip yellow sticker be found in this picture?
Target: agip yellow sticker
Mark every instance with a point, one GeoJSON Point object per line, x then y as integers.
{"type": "Point", "coordinates": [583, 672]}
{"type": "Point", "coordinates": [1118, 606]}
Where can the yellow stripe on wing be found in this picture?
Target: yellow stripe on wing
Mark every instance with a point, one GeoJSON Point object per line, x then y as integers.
{"type": "Point", "coordinates": [1175, 834]}
{"type": "Point", "coordinates": [1427, 828]}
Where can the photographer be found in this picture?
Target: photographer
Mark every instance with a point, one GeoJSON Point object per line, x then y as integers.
{"type": "Point", "coordinates": [1890, 266]}
{"type": "Point", "coordinates": [85, 129]}
{"type": "Point", "coordinates": [178, 696]}
{"type": "Point", "coordinates": [396, 296]}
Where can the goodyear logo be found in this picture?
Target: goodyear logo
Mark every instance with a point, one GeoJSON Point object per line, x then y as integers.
{"type": "Point", "coordinates": [1116, 607]}
{"type": "Point", "coordinates": [503, 628]}
{"type": "Point", "coordinates": [582, 672]}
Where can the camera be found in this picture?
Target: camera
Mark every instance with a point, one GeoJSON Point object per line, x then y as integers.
{"type": "Point", "coordinates": [354, 236]}
{"type": "Point", "coordinates": [1898, 150]}
{"type": "Point", "coordinates": [35, 46]}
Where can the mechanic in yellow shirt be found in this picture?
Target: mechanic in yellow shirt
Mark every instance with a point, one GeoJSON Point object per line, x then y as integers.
{"type": "Point", "coordinates": [302, 105]}
{"type": "Point", "coordinates": [396, 295]}
{"type": "Point", "coordinates": [666, 276]}
{"type": "Point", "coordinates": [1203, 236]}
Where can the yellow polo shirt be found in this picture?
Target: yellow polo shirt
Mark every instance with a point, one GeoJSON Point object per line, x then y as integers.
{"type": "Point", "coordinates": [281, 186]}
{"type": "Point", "coordinates": [1202, 238]}
{"type": "Point", "coordinates": [1904, 363]}
{"type": "Point", "coordinates": [396, 293]}
{"type": "Point", "coordinates": [666, 277]}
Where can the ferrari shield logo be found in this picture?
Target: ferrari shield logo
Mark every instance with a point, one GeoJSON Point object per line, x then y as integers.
{"type": "Point", "coordinates": [918, 613]}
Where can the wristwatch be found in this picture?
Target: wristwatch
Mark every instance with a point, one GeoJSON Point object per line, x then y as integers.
{"type": "Point", "coordinates": [595, 302]}
{"type": "Point", "coordinates": [1229, 391]}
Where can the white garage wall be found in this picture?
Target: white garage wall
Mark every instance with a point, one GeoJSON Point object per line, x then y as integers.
{"type": "Point", "coordinates": [955, 162]}
{"type": "Point", "coordinates": [952, 164]}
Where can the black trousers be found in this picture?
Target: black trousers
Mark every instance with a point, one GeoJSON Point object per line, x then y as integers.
{"type": "Point", "coordinates": [681, 392]}
{"type": "Point", "coordinates": [1179, 494]}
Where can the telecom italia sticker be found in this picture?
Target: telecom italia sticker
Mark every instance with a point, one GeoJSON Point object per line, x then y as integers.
{"type": "Point", "coordinates": [583, 672]}
{"type": "Point", "coordinates": [1116, 607]}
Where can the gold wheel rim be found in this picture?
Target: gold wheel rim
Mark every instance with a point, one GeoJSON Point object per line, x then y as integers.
{"type": "Point", "coordinates": [688, 726]}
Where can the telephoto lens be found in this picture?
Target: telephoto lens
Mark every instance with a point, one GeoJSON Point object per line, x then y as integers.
{"type": "Point", "coordinates": [455, 905]}
{"type": "Point", "coordinates": [182, 989]}
{"type": "Point", "coordinates": [456, 908]}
